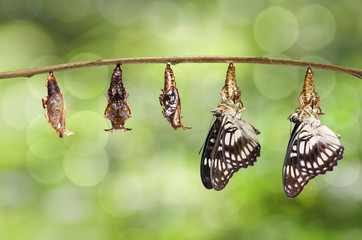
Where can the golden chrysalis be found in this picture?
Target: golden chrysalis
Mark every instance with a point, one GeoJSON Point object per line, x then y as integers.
{"type": "Point", "coordinates": [230, 93]}
{"type": "Point", "coordinates": [117, 110]}
{"type": "Point", "coordinates": [55, 105]}
{"type": "Point", "coordinates": [308, 100]}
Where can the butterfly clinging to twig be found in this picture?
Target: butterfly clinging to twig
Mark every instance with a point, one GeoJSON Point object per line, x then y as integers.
{"type": "Point", "coordinates": [312, 149]}
{"type": "Point", "coordinates": [231, 143]}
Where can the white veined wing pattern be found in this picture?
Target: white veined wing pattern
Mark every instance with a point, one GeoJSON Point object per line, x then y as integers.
{"type": "Point", "coordinates": [312, 150]}
{"type": "Point", "coordinates": [231, 144]}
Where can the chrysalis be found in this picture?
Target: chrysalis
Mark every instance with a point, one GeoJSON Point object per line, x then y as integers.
{"type": "Point", "coordinates": [55, 105]}
{"type": "Point", "coordinates": [308, 100]}
{"type": "Point", "coordinates": [312, 149]}
{"type": "Point", "coordinates": [230, 93]}
{"type": "Point", "coordinates": [117, 110]}
{"type": "Point", "coordinates": [170, 100]}
{"type": "Point", "coordinates": [231, 143]}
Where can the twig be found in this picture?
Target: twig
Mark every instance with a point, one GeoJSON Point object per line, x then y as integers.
{"type": "Point", "coordinates": [181, 59]}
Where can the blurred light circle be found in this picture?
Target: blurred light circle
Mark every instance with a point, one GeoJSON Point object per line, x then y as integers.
{"type": "Point", "coordinates": [67, 204]}
{"type": "Point", "coordinates": [36, 84]}
{"type": "Point", "coordinates": [347, 97]}
{"type": "Point", "coordinates": [86, 171]}
{"type": "Point", "coordinates": [33, 107]}
{"type": "Point", "coordinates": [120, 12]}
{"type": "Point", "coordinates": [136, 233]}
{"type": "Point", "coordinates": [13, 105]}
{"type": "Point", "coordinates": [160, 217]}
{"type": "Point", "coordinates": [88, 126]}
{"type": "Point", "coordinates": [39, 128]}
{"type": "Point", "coordinates": [347, 172]}
{"type": "Point", "coordinates": [317, 27]}
{"type": "Point", "coordinates": [345, 175]}
{"type": "Point", "coordinates": [16, 189]}
{"type": "Point", "coordinates": [48, 147]}
{"type": "Point", "coordinates": [276, 29]}
{"type": "Point", "coordinates": [47, 170]}
{"type": "Point", "coordinates": [164, 19]}
{"type": "Point", "coordinates": [241, 12]}
{"type": "Point", "coordinates": [275, 82]}
{"type": "Point", "coordinates": [22, 9]}
{"type": "Point", "coordinates": [87, 83]}
{"type": "Point", "coordinates": [121, 194]}
{"type": "Point", "coordinates": [85, 148]}
{"type": "Point", "coordinates": [25, 39]}
{"type": "Point", "coordinates": [69, 11]}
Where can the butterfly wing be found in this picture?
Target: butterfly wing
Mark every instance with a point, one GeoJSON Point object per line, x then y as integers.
{"type": "Point", "coordinates": [320, 151]}
{"type": "Point", "coordinates": [240, 143]}
{"type": "Point", "coordinates": [207, 153]}
{"type": "Point", "coordinates": [221, 171]}
{"type": "Point", "coordinates": [294, 179]}
{"type": "Point", "coordinates": [311, 151]}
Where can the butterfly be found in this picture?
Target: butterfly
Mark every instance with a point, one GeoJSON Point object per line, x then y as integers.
{"type": "Point", "coordinates": [231, 144]}
{"type": "Point", "coordinates": [312, 150]}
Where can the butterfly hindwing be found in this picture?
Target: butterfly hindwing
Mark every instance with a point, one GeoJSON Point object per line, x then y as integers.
{"type": "Point", "coordinates": [312, 150]}
{"type": "Point", "coordinates": [240, 143]}
{"type": "Point", "coordinates": [221, 171]}
{"type": "Point", "coordinates": [321, 151]}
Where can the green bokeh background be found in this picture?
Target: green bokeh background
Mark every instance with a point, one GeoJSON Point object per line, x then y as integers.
{"type": "Point", "coordinates": [145, 184]}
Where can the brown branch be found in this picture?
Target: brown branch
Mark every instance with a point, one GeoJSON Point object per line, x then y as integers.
{"type": "Point", "coordinates": [181, 59]}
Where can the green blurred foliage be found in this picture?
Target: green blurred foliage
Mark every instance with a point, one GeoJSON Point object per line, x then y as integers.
{"type": "Point", "coordinates": [145, 184]}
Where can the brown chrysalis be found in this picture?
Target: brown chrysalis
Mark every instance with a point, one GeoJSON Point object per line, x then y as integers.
{"type": "Point", "coordinates": [117, 110]}
{"type": "Point", "coordinates": [55, 105]}
{"type": "Point", "coordinates": [170, 100]}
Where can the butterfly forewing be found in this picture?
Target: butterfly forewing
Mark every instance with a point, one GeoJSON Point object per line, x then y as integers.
{"type": "Point", "coordinates": [294, 179]}
{"type": "Point", "coordinates": [230, 145]}
{"type": "Point", "coordinates": [207, 153]}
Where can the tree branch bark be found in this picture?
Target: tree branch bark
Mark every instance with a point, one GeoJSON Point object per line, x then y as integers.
{"type": "Point", "coordinates": [177, 60]}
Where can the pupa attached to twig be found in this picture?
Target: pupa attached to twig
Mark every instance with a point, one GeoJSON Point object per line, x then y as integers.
{"type": "Point", "coordinates": [170, 100]}
{"type": "Point", "coordinates": [117, 110]}
{"type": "Point", "coordinates": [55, 105]}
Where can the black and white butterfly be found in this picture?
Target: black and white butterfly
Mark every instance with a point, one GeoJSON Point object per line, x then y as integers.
{"type": "Point", "coordinates": [231, 144]}
{"type": "Point", "coordinates": [312, 150]}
